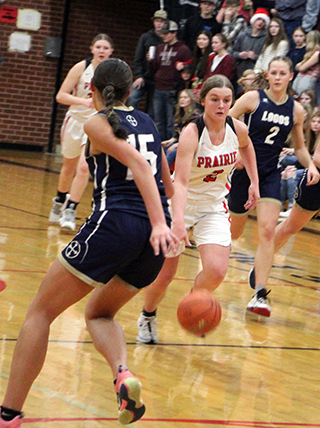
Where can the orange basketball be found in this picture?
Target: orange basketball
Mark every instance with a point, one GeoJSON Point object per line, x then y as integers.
{"type": "Point", "coordinates": [199, 312]}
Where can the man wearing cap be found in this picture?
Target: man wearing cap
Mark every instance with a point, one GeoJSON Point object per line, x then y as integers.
{"type": "Point", "coordinates": [248, 45]}
{"type": "Point", "coordinates": [204, 20]}
{"type": "Point", "coordinates": [166, 76]}
{"type": "Point", "coordinates": [144, 82]}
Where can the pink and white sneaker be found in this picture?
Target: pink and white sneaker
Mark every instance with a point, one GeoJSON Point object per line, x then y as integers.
{"type": "Point", "coordinates": [128, 389]}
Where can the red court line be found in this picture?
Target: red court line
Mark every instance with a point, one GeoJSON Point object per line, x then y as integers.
{"type": "Point", "coordinates": [249, 424]}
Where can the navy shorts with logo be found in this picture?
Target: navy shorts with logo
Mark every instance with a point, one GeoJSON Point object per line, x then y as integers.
{"type": "Point", "coordinates": [113, 243]}
{"type": "Point", "coordinates": [307, 197]}
{"type": "Point", "coordinates": [269, 186]}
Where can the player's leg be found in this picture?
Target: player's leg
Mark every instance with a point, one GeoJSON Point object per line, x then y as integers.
{"type": "Point", "coordinates": [153, 295]}
{"type": "Point", "coordinates": [109, 340]}
{"type": "Point", "coordinates": [215, 259]}
{"type": "Point", "coordinates": [59, 290]}
{"type": "Point", "coordinates": [238, 223]}
{"type": "Point", "coordinates": [291, 225]}
{"type": "Point", "coordinates": [78, 186]}
{"type": "Point", "coordinates": [267, 216]}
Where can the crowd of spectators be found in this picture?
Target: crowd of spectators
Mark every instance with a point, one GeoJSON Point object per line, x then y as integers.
{"type": "Point", "coordinates": [236, 38]}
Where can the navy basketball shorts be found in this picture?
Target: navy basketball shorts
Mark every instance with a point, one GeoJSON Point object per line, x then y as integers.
{"type": "Point", "coordinates": [307, 197]}
{"type": "Point", "coordinates": [269, 186]}
{"type": "Point", "coordinates": [113, 243]}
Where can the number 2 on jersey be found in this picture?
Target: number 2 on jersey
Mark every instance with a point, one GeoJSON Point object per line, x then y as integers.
{"type": "Point", "coordinates": [273, 133]}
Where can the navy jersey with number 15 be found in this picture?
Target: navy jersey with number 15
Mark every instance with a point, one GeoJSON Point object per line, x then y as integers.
{"type": "Point", "coordinates": [269, 126]}
{"type": "Point", "coordinates": [114, 187]}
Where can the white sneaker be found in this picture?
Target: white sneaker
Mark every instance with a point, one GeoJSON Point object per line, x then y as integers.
{"type": "Point", "coordinates": [55, 213]}
{"type": "Point", "coordinates": [258, 304]}
{"type": "Point", "coordinates": [285, 214]}
{"type": "Point", "coordinates": [68, 219]}
{"type": "Point", "coordinates": [147, 329]}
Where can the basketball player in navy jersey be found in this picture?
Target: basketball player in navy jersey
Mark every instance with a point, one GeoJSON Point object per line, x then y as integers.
{"type": "Point", "coordinates": [270, 115]}
{"type": "Point", "coordinates": [306, 205]}
{"type": "Point", "coordinates": [118, 251]}
{"type": "Point", "coordinates": [207, 153]}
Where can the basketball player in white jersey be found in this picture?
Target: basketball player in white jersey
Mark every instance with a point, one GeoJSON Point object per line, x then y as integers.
{"type": "Point", "coordinates": [207, 153]}
{"type": "Point", "coordinates": [75, 91]}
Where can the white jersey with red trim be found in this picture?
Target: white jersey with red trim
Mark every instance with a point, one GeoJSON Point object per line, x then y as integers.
{"type": "Point", "coordinates": [211, 165]}
{"type": "Point", "coordinates": [83, 90]}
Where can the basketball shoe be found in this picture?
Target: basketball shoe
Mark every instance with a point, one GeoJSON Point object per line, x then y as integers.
{"type": "Point", "coordinates": [147, 329]}
{"type": "Point", "coordinates": [68, 219]}
{"type": "Point", "coordinates": [252, 278]}
{"type": "Point", "coordinates": [128, 389]}
{"type": "Point", "coordinates": [258, 304]}
{"type": "Point", "coordinates": [57, 207]}
{"type": "Point", "coordinates": [14, 423]}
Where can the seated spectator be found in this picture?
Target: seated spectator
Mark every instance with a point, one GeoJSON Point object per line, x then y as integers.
{"type": "Point", "coordinates": [248, 45]}
{"type": "Point", "coordinates": [308, 97]}
{"type": "Point", "coordinates": [297, 53]}
{"type": "Point", "coordinates": [233, 23]}
{"type": "Point", "coordinates": [204, 20]}
{"type": "Point", "coordinates": [276, 44]}
{"type": "Point", "coordinates": [245, 9]}
{"type": "Point", "coordinates": [309, 68]}
{"type": "Point", "coordinates": [199, 61]}
{"type": "Point", "coordinates": [250, 81]}
{"type": "Point", "coordinates": [184, 82]}
{"type": "Point", "coordinates": [186, 111]}
{"type": "Point", "coordinates": [220, 61]}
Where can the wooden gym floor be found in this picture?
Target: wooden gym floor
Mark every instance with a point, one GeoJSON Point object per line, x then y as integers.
{"type": "Point", "coordinates": [250, 372]}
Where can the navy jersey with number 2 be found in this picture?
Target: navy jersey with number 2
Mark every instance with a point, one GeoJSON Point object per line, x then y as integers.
{"type": "Point", "coordinates": [269, 126]}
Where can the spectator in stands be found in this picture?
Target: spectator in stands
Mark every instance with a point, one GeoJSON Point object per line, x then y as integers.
{"type": "Point", "coordinates": [144, 82]}
{"type": "Point", "coordinates": [232, 23]}
{"type": "Point", "coordinates": [291, 13]}
{"type": "Point", "coordinates": [309, 68]}
{"type": "Point", "coordinates": [248, 45]}
{"type": "Point", "coordinates": [297, 53]}
{"type": "Point", "coordinates": [220, 61]}
{"type": "Point", "coordinates": [186, 111]}
{"type": "Point", "coordinates": [308, 97]}
{"type": "Point", "coordinates": [199, 61]}
{"type": "Point", "coordinates": [166, 75]}
{"type": "Point", "coordinates": [276, 44]}
{"type": "Point", "coordinates": [204, 20]}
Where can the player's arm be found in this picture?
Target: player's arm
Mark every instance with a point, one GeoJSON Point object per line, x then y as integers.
{"type": "Point", "coordinates": [64, 95]}
{"type": "Point", "coordinates": [166, 177]}
{"type": "Point", "coordinates": [103, 140]}
{"type": "Point", "coordinates": [248, 157]}
{"type": "Point", "coordinates": [188, 143]}
{"type": "Point", "coordinates": [247, 103]}
{"type": "Point", "coordinates": [300, 149]}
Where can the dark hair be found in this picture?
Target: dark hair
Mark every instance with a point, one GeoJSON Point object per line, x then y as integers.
{"type": "Point", "coordinates": [216, 81]}
{"type": "Point", "coordinates": [113, 79]}
{"type": "Point", "coordinates": [102, 36]}
{"type": "Point", "coordinates": [199, 62]}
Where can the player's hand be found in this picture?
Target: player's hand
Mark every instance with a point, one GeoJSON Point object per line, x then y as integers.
{"type": "Point", "coordinates": [87, 102]}
{"type": "Point", "coordinates": [162, 237]}
{"type": "Point", "coordinates": [313, 175]}
{"type": "Point", "coordinates": [253, 197]}
{"type": "Point", "coordinates": [181, 232]}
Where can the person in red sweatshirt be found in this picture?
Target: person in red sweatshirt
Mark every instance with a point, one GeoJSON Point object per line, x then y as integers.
{"type": "Point", "coordinates": [166, 76]}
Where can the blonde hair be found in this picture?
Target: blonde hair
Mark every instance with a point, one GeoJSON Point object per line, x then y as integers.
{"type": "Point", "coordinates": [312, 44]}
{"type": "Point", "coordinates": [311, 137]}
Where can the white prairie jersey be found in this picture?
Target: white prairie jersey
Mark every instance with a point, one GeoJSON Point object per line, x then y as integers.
{"type": "Point", "coordinates": [83, 90]}
{"type": "Point", "coordinates": [212, 165]}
